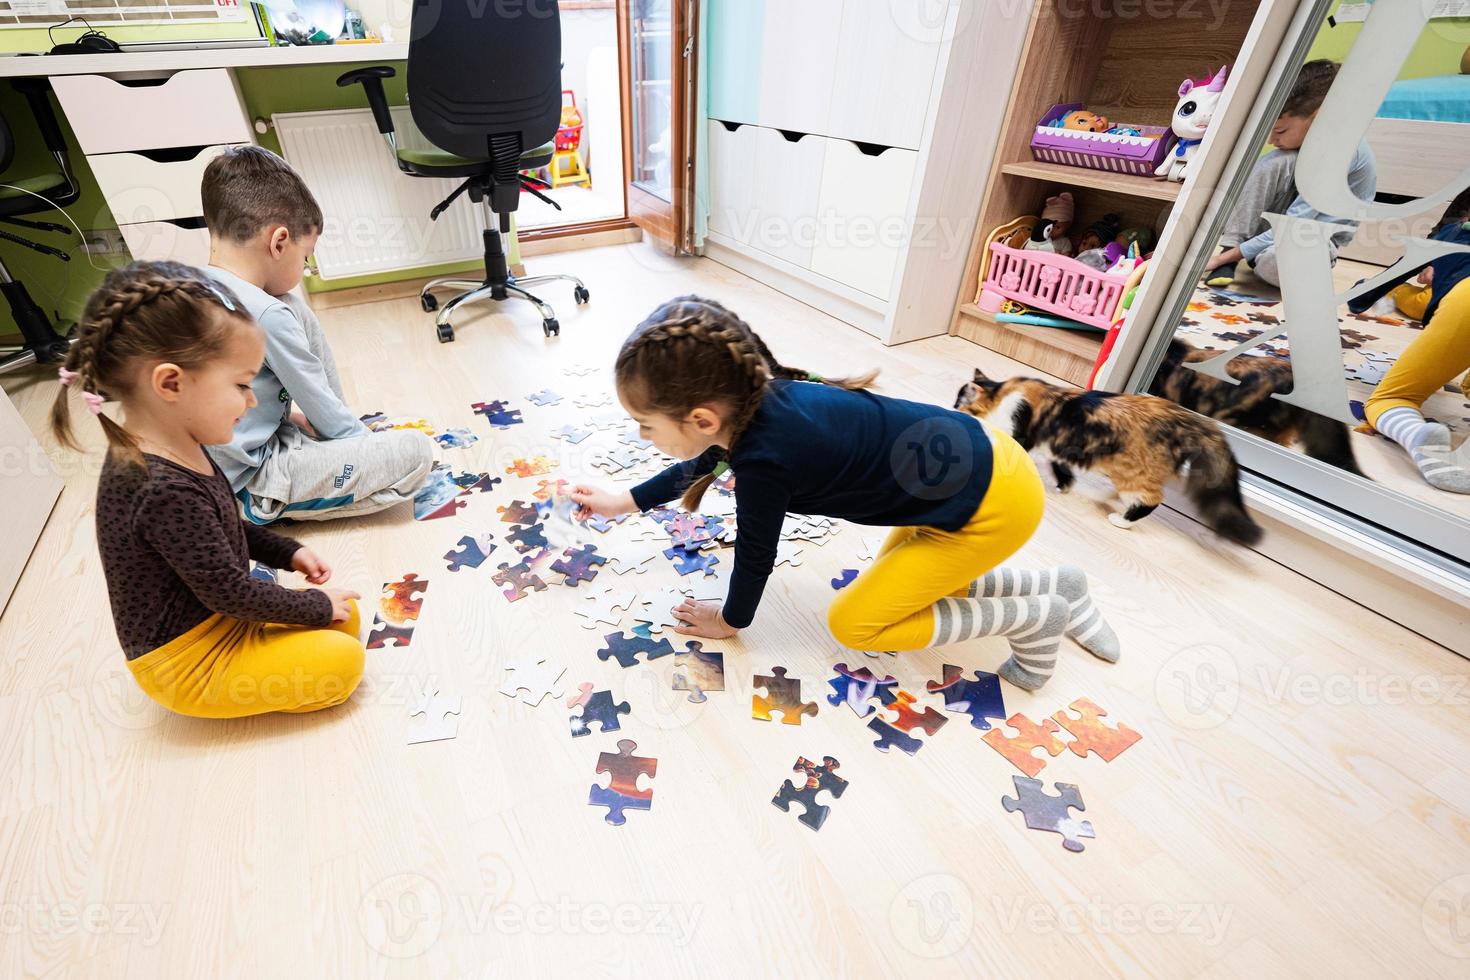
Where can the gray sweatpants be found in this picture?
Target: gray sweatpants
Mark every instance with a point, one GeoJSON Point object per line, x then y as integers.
{"type": "Point", "coordinates": [309, 479]}
{"type": "Point", "coordinates": [1271, 187]}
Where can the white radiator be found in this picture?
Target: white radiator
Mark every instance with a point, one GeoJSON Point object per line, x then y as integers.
{"type": "Point", "coordinates": [377, 218]}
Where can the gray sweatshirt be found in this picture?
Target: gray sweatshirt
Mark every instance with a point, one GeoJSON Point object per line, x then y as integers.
{"type": "Point", "coordinates": [292, 371]}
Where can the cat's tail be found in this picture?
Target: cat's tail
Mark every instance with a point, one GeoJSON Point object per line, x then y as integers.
{"type": "Point", "coordinates": [1328, 440]}
{"type": "Point", "coordinates": [1213, 484]}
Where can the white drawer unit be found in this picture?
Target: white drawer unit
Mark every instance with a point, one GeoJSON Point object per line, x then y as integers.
{"type": "Point", "coordinates": [173, 240]}
{"type": "Point", "coordinates": [799, 60]}
{"type": "Point", "coordinates": [863, 203]}
{"type": "Point", "coordinates": [881, 83]}
{"type": "Point", "coordinates": [187, 108]}
{"type": "Point", "coordinates": [156, 187]}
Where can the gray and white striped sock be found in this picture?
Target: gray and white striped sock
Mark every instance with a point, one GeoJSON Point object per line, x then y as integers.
{"type": "Point", "coordinates": [1033, 624]}
{"type": "Point", "coordinates": [1085, 623]}
{"type": "Point", "coordinates": [1428, 444]}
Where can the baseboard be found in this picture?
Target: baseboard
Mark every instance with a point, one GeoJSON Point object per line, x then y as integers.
{"type": "Point", "coordinates": [831, 297]}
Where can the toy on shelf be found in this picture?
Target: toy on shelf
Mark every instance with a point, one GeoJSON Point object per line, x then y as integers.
{"type": "Point", "coordinates": [1099, 233]}
{"type": "Point", "coordinates": [566, 166]}
{"type": "Point", "coordinates": [1050, 233]}
{"type": "Point", "coordinates": [1067, 134]}
{"type": "Point", "coordinates": [1101, 259]}
{"type": "Point", "coordinates": [1044, 281]}
{"type": "Point", "coordinates": [1013, 233]}
{"type": "Point", "coordinates": [1130, 293]}
{"type": "Point", "coordinates": [1192, 116]}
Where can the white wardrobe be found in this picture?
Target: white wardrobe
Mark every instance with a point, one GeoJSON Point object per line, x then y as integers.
{"type": "Point", "coordinates": [848, 145]}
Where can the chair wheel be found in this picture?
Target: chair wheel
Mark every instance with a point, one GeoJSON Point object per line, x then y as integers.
{"type": "Point", "coordinates": [550, 327]}
{"type": "Point", "coordinates": [582, 295]}
{"type": "Point", "coordinates": [445, 332]}
{"type": "Point", "coordinates": [428, 302]}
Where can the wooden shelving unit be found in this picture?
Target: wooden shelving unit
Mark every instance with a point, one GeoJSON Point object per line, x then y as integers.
{"type": "Point", "coordinates": [1127, 68]}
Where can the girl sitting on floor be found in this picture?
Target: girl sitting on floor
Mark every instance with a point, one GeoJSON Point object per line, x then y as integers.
{"type": "Point", "coordinates": [960, 498]}
{"type": "Point", "coordinates": [202, 637]}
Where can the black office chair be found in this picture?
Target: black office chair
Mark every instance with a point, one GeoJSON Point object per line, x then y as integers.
{"type": "Point", "coordinates": [30, 195]}
{"type": "Point", "coordinates": [484, 86]}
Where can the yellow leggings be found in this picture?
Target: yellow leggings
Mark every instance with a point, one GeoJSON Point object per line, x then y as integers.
{"type": "Point", "coordinates": [890, 606]}
{"type": "Point", "coordinates": [228, 668]}
{"type": "Point", "coordinates": [1435, 358]}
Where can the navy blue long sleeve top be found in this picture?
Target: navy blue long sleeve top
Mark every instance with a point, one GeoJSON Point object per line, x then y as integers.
{"type": "Point", "coordinates": [817, 449]}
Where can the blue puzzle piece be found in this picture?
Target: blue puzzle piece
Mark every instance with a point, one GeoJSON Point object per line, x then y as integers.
{"type": "Point", "coordinates": [616, 803]}
{"type": "Point", "coordinates": [625, 649]}
{"type": "Point", "coordinates": [980, 698]}
{"type": "Point", "coordinates": [856, 688]}
{"type": "Point", "coordinates": [602, 524]}
{"type": "Point", "coordinates": [456, 439]}
{"type": "Point", "coordinates": [263, 572]}
{"type": "Point", "coordinates": [600, 708]}
{"type": "Point", "coordinates": [888, 737]}
{"type": "Point", "coordinates": [497, 414]}
{"type": "Point", "coordinates": [578, 564]}
{"type": "Point", "coordinates": [527, 539]}
{"type": "Point", "coordinates": [844, 579]}
{"type": "Point", "coordinates": [688, 560]}
{"type": "Point", "coordinates": [471, 552]}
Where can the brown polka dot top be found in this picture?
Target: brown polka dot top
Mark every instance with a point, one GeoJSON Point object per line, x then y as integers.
{"type": "Point", "coordinates": [175, 552]}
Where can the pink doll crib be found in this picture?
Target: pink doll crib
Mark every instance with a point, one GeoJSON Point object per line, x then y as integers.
{"type": "Point", "coordinates": [1052, 283]}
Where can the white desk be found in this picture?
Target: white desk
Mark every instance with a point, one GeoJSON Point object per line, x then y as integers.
{"type": "Point", "coordinates": [126, 62]}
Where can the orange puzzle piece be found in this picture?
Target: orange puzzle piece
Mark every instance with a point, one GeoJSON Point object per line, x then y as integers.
{"type": "Point", "coordinates": [1090, 733]}
{"type": "Point", "coordinates": [907, 719]}
{"type": "Point", "coordinates": [1032, 736]}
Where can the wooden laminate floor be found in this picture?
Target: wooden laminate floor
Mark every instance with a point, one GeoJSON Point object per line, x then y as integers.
{"type": "Point", "coordinates": [1299, 803]}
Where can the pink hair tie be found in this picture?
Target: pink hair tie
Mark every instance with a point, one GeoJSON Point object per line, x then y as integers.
{"type": "Point", "coordinates": [67, 377]}
{"type": "Point", "coordinates": [94, 402]}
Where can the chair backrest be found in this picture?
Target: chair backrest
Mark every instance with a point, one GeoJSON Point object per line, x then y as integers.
{"type": "Point", "coordinates": [485, 75]}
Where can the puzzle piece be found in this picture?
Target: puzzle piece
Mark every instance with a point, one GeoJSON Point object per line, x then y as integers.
{"type": "Point", "coordinates": [688, 561]}
{"type": "Point", "coordinates": [498, 414]}
{"type": "Point", "coordinates": [980, 698]}
{"type": "Point", "coordinates": [906, 719]}
{"type": "Point", "coordinates": [657, 610]}
{"type": "Point", "coordinates": [888, 737]}
{"type": "Point", "coordinates": [630, 558]}
{"type": "Point", "coordinates": [402, 601]}
{"type": "Point", "coordinates": [516, 581]}
{"type": "Point", "coordinates": [601, 607]}
{"type": "Point", "coordinates": [528, 539]}
{"type": "Point", "coordinates": [1090, 733]}
{"type": "Point", "coordinates": [535, 676]}
{"type": "Point", "coordinates": [622, 792]}
{"type": "Point", "coordinates": [607, 420]}
{"type": "Point", "coordinates": [1044, 811]}
{"type": "Point", "coordinates": [382, 633]}
{"type": "Point", "coordinates": [602, 524]}
{"type": "Point", "coordinates": [571, 434]}
{"type": "Point", "coordinates": [264, 572]}
{"type": "Point", "coordinates": [583, 695]}
{"type": "Point", "coordinates": [600, 708]}
{"type": "Point", "coordinates": [547, 489]}
{"type": "Point", "coordinates": [788, 553]}
{"type": "Point", "coordinates": [856, 688]}
{"type": "Point", "coordinates": [456, 439]}
{"type": "Point", "coordinates": [520, 512]}
{"type": "Point", "coordinates": [818, 778]}
{"type": "Point", "coordinates": [437, 725]}
{"type": "Point", "coordinates": [631, 438]}
{"type": "Point", "coordinates": [439, 497]}
{"type": "Point", "coordinates": [844, 579]}
{"type": "Point", "coordinates": [625, 649]}
{"type": "Point", "coordinates": [378, 422]}
{"type": "Point", "coordinates": [1030, 736]}
{"type": "Point", "coordinates": [699, 671]}
{"type": "Point", "coordinates": [578, 370]}
{"type": "Point", "coordinates": [578, 565]}
{"type": "Point", "coordinates": [536, 466]}
{"type": "Point", "coordinates": [871, 546]}
{"type": "Point", "coordinates": [783, 694]}
{"type": "Point", "coordinates": [471, 552]}
{"type": "Point", "coordinates": [544, 397]}
{"type": "Point", "coordinates": [592, 399]}
{"type": "Point", "coordinates": [617, 460]}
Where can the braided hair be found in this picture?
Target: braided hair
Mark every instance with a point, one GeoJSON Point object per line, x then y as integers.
{"type": "Point", "coordinates": [146, 311]}
{"type": "Point", "coordinates": [693, 351]}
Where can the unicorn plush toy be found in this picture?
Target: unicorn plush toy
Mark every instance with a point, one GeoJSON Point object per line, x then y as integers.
{"type": "Point", "coordinates": [1197, 103]}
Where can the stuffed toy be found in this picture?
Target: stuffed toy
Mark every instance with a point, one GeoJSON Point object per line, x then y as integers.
{"type": "Point", "coordinates": [1099, 233]}
{"type": "Point", "coordinates": [1050, 233]}
{"type": "Point", "coordinates": [1192, 115]}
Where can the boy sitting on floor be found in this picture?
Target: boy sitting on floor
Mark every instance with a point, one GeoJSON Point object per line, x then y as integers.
{"type": "Point", "coordinates": [318, 462]}
{"type": "Point", "coordinates": [1272, 186]}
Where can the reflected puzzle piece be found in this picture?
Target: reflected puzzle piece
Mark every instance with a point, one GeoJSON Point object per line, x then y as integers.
{"type": "Point", "coordinates": [1090, 733]}
{"type": "Point", "coordinates": [980, 698]}
{"type": "Point", "coordinates": [1030, 736]}
{"type": "Point", "coordinates": [699, 671]}
{"type": "Point", "coordinates": [622, 792]}
{"type": "Point", "coordinates": [818, 778]}
{"type": "Point", "coordinates": [783, 694]}
{"type": "Point", "coordinates": [1046, 812]}
{"type": "Point", "coordinates": [601, 708]}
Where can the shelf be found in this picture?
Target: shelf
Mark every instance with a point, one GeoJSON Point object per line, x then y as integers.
{"type": "Point", "coordinates": [1150, 187]}
{"type": "Point", "coordinates": [1065, 354]}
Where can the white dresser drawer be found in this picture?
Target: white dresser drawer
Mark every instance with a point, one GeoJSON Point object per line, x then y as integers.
{"type": "Point", "coordinates": [189, 108]}
{"type": "Point", "coordinates": [871, 194]}
{"type": "Point", "coordinates": [158, 240]}
{"type": "Point", "coordinates": [139, 188]}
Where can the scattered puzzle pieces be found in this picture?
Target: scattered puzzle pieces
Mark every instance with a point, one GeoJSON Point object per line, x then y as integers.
{"type": "Point", "coordinates": [844, 579]}
{"type": "Point", "coordinates": [535, 676]}
{"type": "Point", "coordinates": [593, 399]}
{"type": "Point", "coordinates": [1044, 811]}
{"type": "Point", "coordinates": [699, 671]}
{"type": "Point", "coordinates": [818, 778]}
{"type": "Point", "coordinates": [399, 606]}
{"type": "Point", "coordinates": [856, 688]}
{"type": "Point", "coordinates": [498, 414]}
{"type": "Point", "coordinates": [530, 538]}
{"type": "Point", "coordinates": [547, 489]}
{"type": "Point", "coordinates": [544, 397]}
{"type": "Point", "coordinates": [439, 497]}
{"type": "Point", "coordinates": [264, 572]}
{"type": "Point", "coordinates": [625, 649]}
{"type": "Point", "coordinates": [889, 737]}
{"type": "Point", "coordinates": [536, 466]}
{"type": "Point", "coordinates": [689, 560]}
{"type": "Point", "coordinates": [516, 581]}
{"type": "Point", "coordinates": [906, 719]}
{"type": "Point", "coordinates": [783, 694]}
{"type": "Point", "coordinates": [1030, 736]}
{"type": "Point", "coordinates": [602, 607]}
{"type": "Point", "coordinates": [471, 552]}
{"type": "Point", "coordinates": [438, 724]}
{"type": "Point", "coordinates": [1090, 733]}
{"type": "Point", "coordinates": [788, 554]}
{"type": "Point", "coordinates": [456, 439]}
{"type": "Point", "coordinates": [520, 512]}
{"type": "Point", "coordinates": [622, 792]}
{"type": "Point", "coordinates": [631, 438]}
{"type": "Point", "coordinates": [601, 708]}
{"type": "Point", "coordinates": [657, 610]}
{"type": "Point", "coordinates": [578, 370]}
{"type": "Point", "coordinates": [571, 434]}
{"type": "Point", "coordinates": [630, 558]}
{"type": "Point", "coordinates": [578, 565]}
{"type": "Point", "coordinates": [980, 698]}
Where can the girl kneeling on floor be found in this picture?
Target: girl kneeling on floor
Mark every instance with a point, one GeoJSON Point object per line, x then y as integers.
{"type": "Point", "coordinates": [202, 637]}
{"type": "Point", "coordinates": [961, 498]}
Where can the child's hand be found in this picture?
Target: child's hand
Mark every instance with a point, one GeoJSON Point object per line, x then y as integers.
{"type": "Point", "coordinates": [299, 419]}
{"type": "Point", "coordinates": [307, 563]}
{"type": "Point", "coordinates": [341, 603]}
{"type": "Point", "coordinates": [705, 619]}
{"type": "Point", "coordinates": [1426, 276]}
{"type": "Point", "coordinates": [592, 500]}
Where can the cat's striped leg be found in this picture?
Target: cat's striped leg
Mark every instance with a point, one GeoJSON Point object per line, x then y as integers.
{"type": "Point", "coordinates": [1033, 624]}
{"type": "Point", "coordinates": [1085, 622]}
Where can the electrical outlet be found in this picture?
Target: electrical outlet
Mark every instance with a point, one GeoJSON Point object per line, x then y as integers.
{"type": "Point", "coordinates": [103, 241]}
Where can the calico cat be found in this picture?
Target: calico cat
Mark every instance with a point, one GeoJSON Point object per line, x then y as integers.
{"type": "Point", "coordinates": [1137, 441]}
{"type": "Point", "coordinates": [1249, 405]}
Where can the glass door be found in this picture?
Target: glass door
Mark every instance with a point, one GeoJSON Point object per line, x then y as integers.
{"type": "Point", "coordinates": [659, 53]}
{"type": "Point", "coordinates": [1329, 324]}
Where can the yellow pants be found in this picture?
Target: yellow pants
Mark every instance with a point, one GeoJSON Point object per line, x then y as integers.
{"type": "Point", "coordinates": [1412, 299]}
{"type": "Point", "coordinates": [890, 606]}
{"type": "Point", "coordinates": [1435, 358]}
{"type": "Point", "coordinates": [228, 668]}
